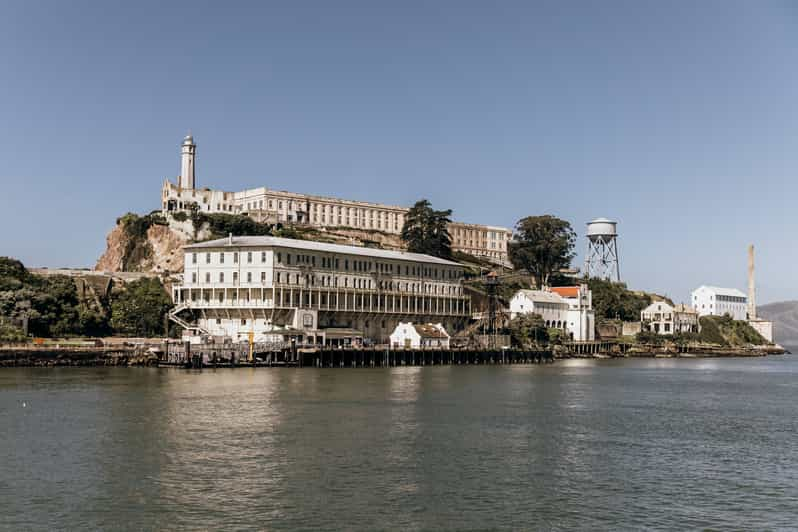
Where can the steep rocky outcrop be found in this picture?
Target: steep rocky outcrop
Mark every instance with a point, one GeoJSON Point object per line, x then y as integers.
{"type": "Point", "coordinates": [153, 244]}
{"type": "Point", "coordinates": [157, 252]}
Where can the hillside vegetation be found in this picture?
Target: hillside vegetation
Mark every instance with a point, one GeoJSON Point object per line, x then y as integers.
{"type": "Point", "coordinates": [53, 306]}
{"type": "Point", "coordinates": [717, 330]}
{"type": "Point", "coordinates": [614, 301]}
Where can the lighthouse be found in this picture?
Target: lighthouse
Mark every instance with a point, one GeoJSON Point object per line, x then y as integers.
{"type": "Point", "coordinates": [188, 151]}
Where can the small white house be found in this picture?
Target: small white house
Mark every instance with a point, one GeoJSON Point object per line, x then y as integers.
{"type": "Point", "coordinates": [581, 320]}
{"type": "Point", "coordinates": [716, 301]}
{"type": "Point", "coordinates": [419, 336]}
{"type": "Point", "coordinates": [549, 305]}
{"type": "Point", "coordinates": [658, 318]}
{"type": "Point", "coordinates": [662, 318]}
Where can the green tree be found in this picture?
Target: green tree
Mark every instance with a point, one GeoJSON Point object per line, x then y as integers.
{"type": "Point", "coordinates": [542, 246]}
{"type": "Point", "coordinates": [51, 304]}
{"type": "Point", "coordinates": [12, 274]}
{"type": "Point", "coordinates": [528, 329]}
{"type": "Point", "coordinates": [614, 301]}
{"type": "Point", "coordinates": [426, 230]}
{"type": "Point", "coordinates": [140, 309]}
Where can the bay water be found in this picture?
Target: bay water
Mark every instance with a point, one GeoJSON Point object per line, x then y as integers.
{"type": "Point", "coordinates": [578, 444]}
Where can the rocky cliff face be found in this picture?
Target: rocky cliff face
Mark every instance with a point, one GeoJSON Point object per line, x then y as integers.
{"type": "Point", "coordinates": [153, 245]}
{"type": "Point", "coordinates": [157, 252]}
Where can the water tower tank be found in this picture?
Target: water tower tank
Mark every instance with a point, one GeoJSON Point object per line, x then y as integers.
{"type": "Point", "coordinates": [601, 260]}
{"type": "Point", "coordinates": [602, 229]}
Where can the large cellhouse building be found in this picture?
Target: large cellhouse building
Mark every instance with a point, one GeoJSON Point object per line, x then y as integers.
{"type": "Point", "coordinates": [240, 286]}
{"type": "Point", "coordinates": [276, 206]}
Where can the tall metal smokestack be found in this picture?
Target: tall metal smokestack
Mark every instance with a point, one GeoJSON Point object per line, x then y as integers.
{"type": "Point", "coordinates": [751, 285]}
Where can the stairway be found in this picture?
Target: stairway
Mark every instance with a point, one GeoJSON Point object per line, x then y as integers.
{"type": "Point", "coordinates": [173, 315]}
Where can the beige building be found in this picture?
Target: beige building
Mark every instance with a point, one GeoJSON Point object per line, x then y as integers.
{"type": "Point", "coordinates": [277, 206]}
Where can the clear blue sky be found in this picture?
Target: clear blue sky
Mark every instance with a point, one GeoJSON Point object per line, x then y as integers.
{"type": "Point", "coordinates": [678, 119]}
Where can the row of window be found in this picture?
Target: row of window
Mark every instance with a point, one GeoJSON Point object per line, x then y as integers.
{"type": "Point", "coordinates": [249, 257]}
{"type": "Point", "coordinates": [309, 299]}
{"type": "Point", "coordinates": [245, 321]}
{"type": "Point", "coordinates": [330, 281]}
{"type": "Point", "coordinates": [479, 234]}
{"type": "Point", "coordinates": [234, 278]}
{"type": "Point", "coordinates": [335, 263]}
{"type": "Point", "coordinates": [727, 299]}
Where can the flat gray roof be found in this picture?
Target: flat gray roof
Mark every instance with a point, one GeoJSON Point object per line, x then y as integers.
{"type": "Point", "coordinates": [309, 245]}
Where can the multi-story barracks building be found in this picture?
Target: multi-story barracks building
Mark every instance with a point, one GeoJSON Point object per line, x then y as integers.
{"type": "Point", "coordinates": [240, 286]}
{"type": "Point", "coordinates": [276, 206]}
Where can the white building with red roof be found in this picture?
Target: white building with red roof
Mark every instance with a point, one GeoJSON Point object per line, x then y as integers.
{"type": "Point", "coordinates": [580, 318]}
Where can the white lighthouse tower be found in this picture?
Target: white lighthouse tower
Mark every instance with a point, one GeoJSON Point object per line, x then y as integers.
{"type": "Point", "coordinates": [188, 151]}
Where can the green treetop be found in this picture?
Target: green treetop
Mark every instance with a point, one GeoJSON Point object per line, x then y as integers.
{"type": "Point", "coordinates": [426, 230]}
{"type": "Point", "coordinates": [542, 246]}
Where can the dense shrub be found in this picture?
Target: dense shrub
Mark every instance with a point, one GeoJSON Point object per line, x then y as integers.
{"type": "Point", "coordinates": [710, 331]}
{"type": "Point", "coordinates": [221, 224]}
{"type": "Point", "coordinates": [528, 329]}
{"type": "Point", "coordinates": [614, 301]}
{"type": "Point", "coordinates": [650, 338]}
{"type": "Point", "coordinates": [724, 330]}
{"type": "Point", "coordinates": [53, 308]}
{"type": "Point", "coordinates": [141, 308]}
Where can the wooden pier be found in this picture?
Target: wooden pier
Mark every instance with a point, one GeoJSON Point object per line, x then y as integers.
{"type": "Point", "coordinates": [589, 349]}
{"type": "Point", "coordinates": [232, 355]}
{"type": "Point", "coordinates": [362, 358]}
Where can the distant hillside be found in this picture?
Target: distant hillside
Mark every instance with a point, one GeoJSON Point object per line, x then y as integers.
{"type": "Point", "coordinates": [785, 320]}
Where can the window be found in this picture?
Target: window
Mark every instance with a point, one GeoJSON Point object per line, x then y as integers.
{"type": "Point", "coordinates": [263, 256]}
{"type": "Point", "coordinates": [235, 277]}
{"type": "Point", "coordinates": [221, 257]}
{"type": "Point", "coordinates": [249, 277]}
{"type": "Point", "coordinates": [207, 258]}
{"type": "Point", "coordinates": [249, 257]}
{"type": "Point", "coordinates": [208, 277]}
{"type": "Point", "coordinates": [243, 321]}
{"type": "Point", "coordinates": [263, 277]}
{"type": "Point", "coordinates": [194, 277]}
{"type": "Point", "coordinates": [221, 277]}
{"type": "Point", "coordinates": [235, 257]}
{"type": "Point", "coordinates": [193, 258]}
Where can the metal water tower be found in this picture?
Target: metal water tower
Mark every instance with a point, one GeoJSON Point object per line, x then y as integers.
{"type": "Point", "coordinates": [601, 260]}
